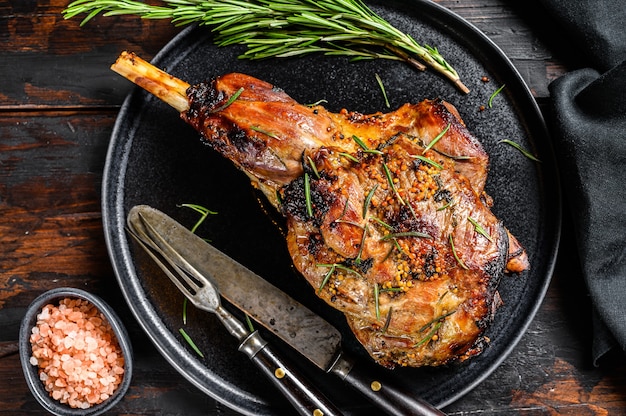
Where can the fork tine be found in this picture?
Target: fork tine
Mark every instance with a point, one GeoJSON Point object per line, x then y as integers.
{"type": "Point", "coordinates": [175, 278]}
{"type": "Point", "coordinates": [170, 254]}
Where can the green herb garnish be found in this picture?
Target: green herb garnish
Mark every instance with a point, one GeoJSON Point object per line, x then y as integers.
{"type": "Point", "coordinates": [387, 320]}
{"type": "Point", "coordinates": [382, 88]}
{"type": "Point", "coordinates": [376, 303]}
{"type": "Point", "coordinates": [229, 102]}
{"type": "Point", "coordinates": [333, 267]}
{"type": "Point", "coordinates": [454, 253]}
{"type": "Point", "coordinates": [368, 200]}
{"type": "Point", "coordinates": [479, 229]}
{"type": "Point", "coordinates": [436, 139]}
{"type": "Point", "coordinates": [190, 342]}
{"type": "Point", "coordinates": [249, 323]}
{"type": "Point", "coordinates": [313, 167]}
{"type": "Point", "coordinates": [363, 146]}
{"type": "Point", "coordinates": [521, 149]}
{"type": "Point", "coordinates": [307, 195]}
{"type": "Point", "coordinates": [205, 212]}
{"type": "Point", "coordinates": [496, 92]}
{"type": "Point", "coordinates": [285, 28]}
{"type": "Point", "coordinates": [381, 222]}
{"type": "Point", "coordinates": [427, 160]}
{"type": "Point", "coordinates": [405, 234]}
{"type": "Point", "coordinates": [267, 133]}
{"type": "Point", "coordinates": [350, 157]}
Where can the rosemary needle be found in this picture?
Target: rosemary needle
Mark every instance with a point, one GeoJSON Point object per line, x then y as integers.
{"type": "Point", "coordinates": [285, 28]}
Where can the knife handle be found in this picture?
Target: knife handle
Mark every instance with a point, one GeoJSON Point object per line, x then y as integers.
{"type": "Point", "coordinates": [392, 399]}
{"type": "Point", "coordinates": [305, 398]}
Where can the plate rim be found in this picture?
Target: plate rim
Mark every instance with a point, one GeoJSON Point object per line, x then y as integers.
{"type": "Point", "coordinates": [113, 220]}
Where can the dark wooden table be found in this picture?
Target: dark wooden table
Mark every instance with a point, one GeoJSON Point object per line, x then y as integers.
{"type": "Point", "coordinates": [58, 103]}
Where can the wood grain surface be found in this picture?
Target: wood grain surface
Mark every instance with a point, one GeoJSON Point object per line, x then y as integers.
{"type": "Point", "coordinates": [58, 104]}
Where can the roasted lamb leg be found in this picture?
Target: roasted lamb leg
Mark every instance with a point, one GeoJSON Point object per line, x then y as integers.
{"type": "Point", "coordinates": [386, 213]}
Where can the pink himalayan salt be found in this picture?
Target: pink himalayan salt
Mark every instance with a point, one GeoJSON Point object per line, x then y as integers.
{"type": "Point", "coordinates": [80, 361]}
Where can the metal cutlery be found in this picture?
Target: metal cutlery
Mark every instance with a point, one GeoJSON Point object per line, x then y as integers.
{"type": "Point", "coordinates": [204, 294]}
{"type": "Point", "coordinates": [291, 321]}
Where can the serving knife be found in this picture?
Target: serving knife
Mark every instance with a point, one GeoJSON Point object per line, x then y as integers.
{"type": "Point", "coordinates": [292, 322]}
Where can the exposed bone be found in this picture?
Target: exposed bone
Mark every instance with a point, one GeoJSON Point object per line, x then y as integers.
{"type": "Point", "coordinates": [163, 85]}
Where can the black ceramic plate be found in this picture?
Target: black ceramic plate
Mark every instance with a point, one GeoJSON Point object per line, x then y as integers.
{"type": "Point", "coordinates": [155, 159]}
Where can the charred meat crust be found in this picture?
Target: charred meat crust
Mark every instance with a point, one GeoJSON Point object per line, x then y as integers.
{"type": "Point", "coordinates": [388, 226]}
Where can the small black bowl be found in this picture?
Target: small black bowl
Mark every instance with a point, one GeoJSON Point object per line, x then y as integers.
{"type": "Point", "coordinates": [31, 372]}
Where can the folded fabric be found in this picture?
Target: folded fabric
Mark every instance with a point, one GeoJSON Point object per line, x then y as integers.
{"type": "Point", "coordinates": [589, 130]}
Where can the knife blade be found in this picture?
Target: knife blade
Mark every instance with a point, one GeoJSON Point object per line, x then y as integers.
{"type": "Point", "coordinates": [299, 327]}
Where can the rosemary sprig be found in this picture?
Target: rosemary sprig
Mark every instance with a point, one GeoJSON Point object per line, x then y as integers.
{"type": "Point", "coordinates": [204, 212]}
{"type": "Point", "coordinates": [434, 326]}
{"type": "Point", "coordinates": [282, 28]}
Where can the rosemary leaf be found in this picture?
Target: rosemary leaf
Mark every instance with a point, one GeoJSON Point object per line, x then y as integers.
{"type": "Point", "coordinates": [383, 223]}
{"type": "Point", "coordinates": [229, 102]}
{"type": "Point", "coordinates": [205, 212]}
{"type": "Point", "coordinates": [387, 320]}
{"type": "Point", "coordinates": [480, 229]}
{"type": "Point", "coordinates": [458, 259]}
{"type": "Point", "coordinates": [357, 261]}
{"type": "Point", "coordinates": [436, 139]}
{"type": "Point", "coordinates": [427, 160]}
{"type": "Point", "coordinates": [307, 195]}
{"type": "Point", "coordinates": [267, 133]}
{"type": "Point", "coordinates": [363, 146]}
{"type": "Point", "coordinates": [349, 157]}
{"type": "Point", "coordinates": [249, 323]}
{"type": "Point", "coordinates": [495, 93]}
{"type": "Point", "coordinates": [405, 234]}
{"type": "Point", "coordinates": [382, 88]}
{"type": "Point", "coordinates": [190, 342]}
{"type": "Point", "coordinates": [376, 302]}
{"type": "Point", "coordinates": [368, 200]}
{"type": "Point", "coordinates": [521, 149]}
{"type": "Point", "coordinates": [313, 167]}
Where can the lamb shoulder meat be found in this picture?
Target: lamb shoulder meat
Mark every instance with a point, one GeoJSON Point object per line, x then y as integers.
{"type": "Point", "coordinates": [386, 213]}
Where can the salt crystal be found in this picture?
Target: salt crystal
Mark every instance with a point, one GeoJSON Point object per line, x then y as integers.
{"type": "Point", "coordinates": [34, 361]}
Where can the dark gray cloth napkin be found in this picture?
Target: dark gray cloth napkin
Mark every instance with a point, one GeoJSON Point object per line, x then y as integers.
{"type": "Point", "coordinates": [588, 124]}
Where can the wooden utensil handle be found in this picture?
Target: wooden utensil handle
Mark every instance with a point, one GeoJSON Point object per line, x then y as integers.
{"type": "Point", "coordinates": [390, 398]}
{"type": "Point", "coordinates": [302, 395]}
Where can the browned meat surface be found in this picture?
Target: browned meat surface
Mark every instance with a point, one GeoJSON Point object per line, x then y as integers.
{"type": "Point", "coordinates": [396, 235]}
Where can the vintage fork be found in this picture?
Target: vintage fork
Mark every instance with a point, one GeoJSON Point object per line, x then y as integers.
{"type": "Point", "coordinates": [204, 294]}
